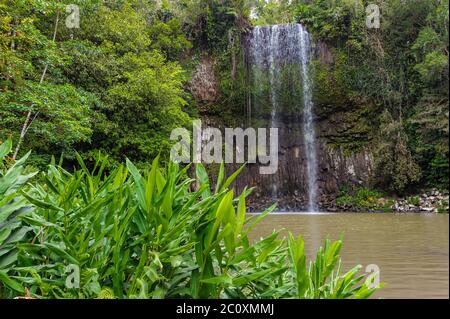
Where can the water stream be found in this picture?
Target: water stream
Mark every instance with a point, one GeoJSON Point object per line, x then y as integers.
{"type": "Point", "coordinates": [309, 134]}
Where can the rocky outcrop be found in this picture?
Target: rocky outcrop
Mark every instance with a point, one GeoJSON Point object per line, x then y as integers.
{"type": "Point", "coordinates": [339, 168]}
{"type": "Point", "coordinates": [432, 201]}
{"type": "Point", "coordinates": [323, 53]}
{"type": "Point", "coordinates": [336, 167]}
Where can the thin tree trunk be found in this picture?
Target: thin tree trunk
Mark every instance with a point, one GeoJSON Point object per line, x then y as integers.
{"type": "Point", "coordinates": [233, 69]}
{"type": "Point", "coordinates": [27, 122]}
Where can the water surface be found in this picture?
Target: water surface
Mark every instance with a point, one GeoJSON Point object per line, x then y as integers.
{"type": "Point", "coordinates": [411, 250]}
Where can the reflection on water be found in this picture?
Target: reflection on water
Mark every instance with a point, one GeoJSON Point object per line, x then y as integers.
{"type": "Point", "coordinates": [412, 250]}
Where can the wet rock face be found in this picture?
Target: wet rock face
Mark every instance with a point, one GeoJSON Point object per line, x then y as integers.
{"type": "Point", "coordinates": [336, 168]}
{"type": "Point", "coordinates": [204, 85]}
{"type": "Point", "coordinates": [277, 93]}
{"type": "Point", "coordinates": [323, 53]}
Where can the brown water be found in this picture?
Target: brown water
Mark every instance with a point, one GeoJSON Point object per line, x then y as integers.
{"type": "Point", "coordinates": [411, 250]}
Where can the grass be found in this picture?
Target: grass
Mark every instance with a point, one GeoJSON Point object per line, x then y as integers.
{"type": "Point", "coordinates": [149, 234]}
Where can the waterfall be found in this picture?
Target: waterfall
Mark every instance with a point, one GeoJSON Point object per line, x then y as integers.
{"type": "Point", "coordinates": [277, 54]}
{"type": "Point", "coordinates": [273, 51]}
{"type": "Point", "coordinates": [309, 134]}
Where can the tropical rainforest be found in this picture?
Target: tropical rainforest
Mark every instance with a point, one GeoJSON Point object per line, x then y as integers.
{"type": "Point", "coordinates": [118, 84]}
{"type": "Point", "coordinates": [87, 108]}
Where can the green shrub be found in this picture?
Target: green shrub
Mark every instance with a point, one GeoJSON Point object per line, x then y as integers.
{"type": "Point", "coordinates": [414, 200]}
{"type": "Point", "coordinates": [443, 207]}
{"type": "Point", "coordinates": [13, 207]}
{"type": "Point", "coordinates": [439, 172]}
{"type": "Point", "coordinates": [362, 198]}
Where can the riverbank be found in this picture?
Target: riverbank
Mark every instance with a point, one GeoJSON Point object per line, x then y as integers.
{"type": "Point", "coordinates": [427, 201]}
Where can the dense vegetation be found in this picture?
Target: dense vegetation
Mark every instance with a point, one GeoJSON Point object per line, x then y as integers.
{"type": "Point", "coordinates": [149, 236]}
{"type": "Point", "coordinates": [119, 84]}
{"type": "Point", "coordinates": [113, 84]}
{"type": "Point", "coordinates": [400, 72]}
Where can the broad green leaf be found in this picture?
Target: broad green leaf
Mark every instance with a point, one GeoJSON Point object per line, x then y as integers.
{"type": "Point", "coordinates": [5, 148]}
{"type": "Point", "coordinates": [222, 279]}
{"type": "Point", "coordinates": [8, 281]}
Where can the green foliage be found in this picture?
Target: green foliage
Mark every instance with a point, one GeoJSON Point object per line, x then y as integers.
{"type": "Point", "coordinates": [330, 87]}
{"type": "Point", "coordinates": [337, 102]}
{"type": "Point", "coordinates": [13, 207]}
{"type": "Point", "coordinates": [395, 168]}
{"type": "Point", "coordinates": [443, 207]}
{"type": "Point", "coordinates": [434, 67]}
{"type": "Point", "coordinates": [62, 116]}
{"type": "Point", "coordinates": [323, 278]}
{"type": "Point", "coordinates": [439, 172]}
{"type": "Point", "coordinates": [273, 12]}
{"type": "Point", "coordinates": [432, 109]}
{"type": "Point", "coordinates": [168, 37]}
{"type": "Point", "coordinates": [111, 85]}
{"type": "Point", "coordinates": [401, 69]}
{"type": "Point", "coordinates": [333, 20]}
{"type": "Point", "coordinates": [414, 200]}
{"type": "Point", "coordinates": [149, 235]}
{"type": "Point", "coordinates": [208, 22]}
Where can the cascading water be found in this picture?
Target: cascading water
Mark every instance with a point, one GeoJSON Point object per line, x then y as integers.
{"type": "Point", "coordinates": [309, 133]}
{"type": "Point", "coordinates": [277, 52]}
